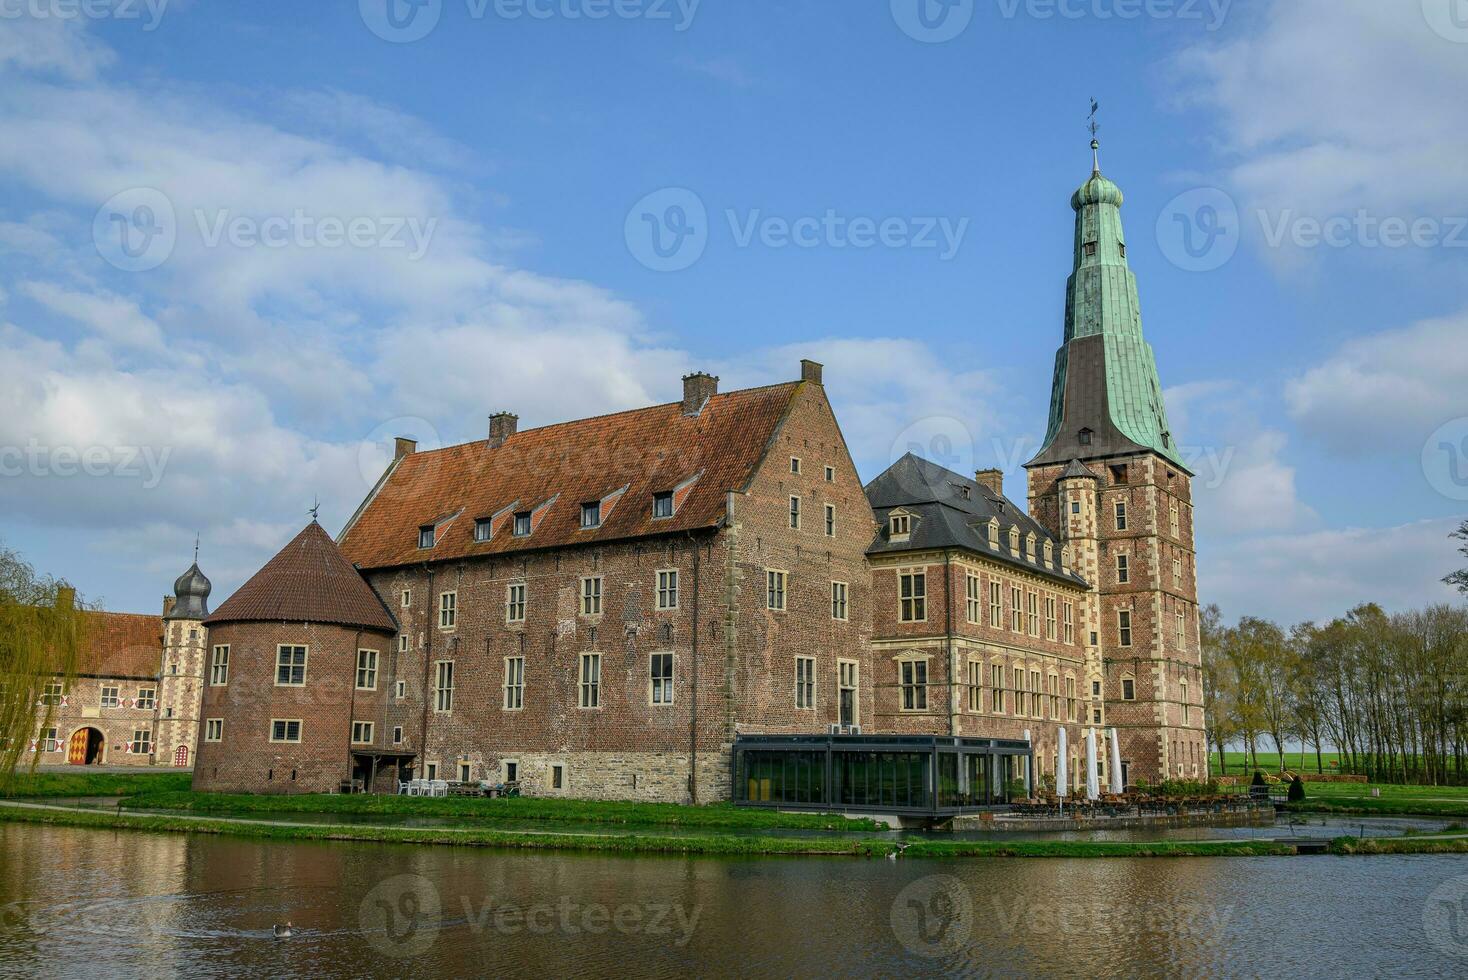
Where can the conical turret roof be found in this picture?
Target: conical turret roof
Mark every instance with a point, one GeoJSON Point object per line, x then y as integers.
{"type": "Point", "coordinates": [309, 581]}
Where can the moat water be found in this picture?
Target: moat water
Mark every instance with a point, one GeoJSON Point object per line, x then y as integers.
{"type": "Point", "coordinates": [108, 903]}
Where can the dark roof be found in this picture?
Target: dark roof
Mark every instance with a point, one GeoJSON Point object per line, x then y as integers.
{"type": "Point", "coordinates": [621, 460]}
{"type": "Point", "coordinates": [191, 593]}
{"type": "Point", "coordinates": [121, 645]}
{"type": "Point", "coordinates": [1078, 469]}
{"type": "Point", "coordinates": [309, 581]}
{"type": "Point", "coordinates": [953, 511]}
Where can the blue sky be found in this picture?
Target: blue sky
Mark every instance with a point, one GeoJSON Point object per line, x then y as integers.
{"type": "Point", "coordinates": [497, 170]}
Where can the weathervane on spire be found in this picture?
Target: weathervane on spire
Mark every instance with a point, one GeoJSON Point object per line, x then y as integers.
{"type": "Point", "coordinates": [315, 508]}
{"type": "Point", "coordinates": [196, 547]}
{"type": "Point", "coordinates": [1095, 128]}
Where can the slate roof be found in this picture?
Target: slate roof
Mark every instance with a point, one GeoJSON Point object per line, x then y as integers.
{"type": "Point", "coordinates": [309, 581]}
{"type": "Point", "coordinates": [121, 645]}
{"type": "Point", "coordinates": [621, 460]}
{"type": "Point", "coordinates": [953, 511]}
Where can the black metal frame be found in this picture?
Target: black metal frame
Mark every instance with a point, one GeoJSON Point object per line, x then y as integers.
{"type": "Point", "coordinates": [832, 745]}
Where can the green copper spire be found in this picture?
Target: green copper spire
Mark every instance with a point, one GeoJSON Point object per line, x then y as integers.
{"type": "Point", "coordinates": [1106, 398]}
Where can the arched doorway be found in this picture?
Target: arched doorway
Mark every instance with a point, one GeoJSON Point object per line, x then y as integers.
{"type": "Point", "coordinates": [85, 748]}
{"type": "Point", "coordinates": [181, 757]}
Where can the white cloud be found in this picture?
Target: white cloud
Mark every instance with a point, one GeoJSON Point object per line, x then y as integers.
{"type": "Point", "coordinates": [1388, 391]}
{"type": "Point", "coordinates": [1319, 575]}
{"type": "Point", "coordinates": [51, 45]}
{"type": "Point", "coordinates": [114, 318]}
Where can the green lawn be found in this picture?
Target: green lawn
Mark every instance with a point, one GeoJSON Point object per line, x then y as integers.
{"type": "Point", "coordinates": [1240, 763]}
{"type": "Point", "coordinates": [1356, 798]}
{"type": "Point", "coordinates": [93, 784]}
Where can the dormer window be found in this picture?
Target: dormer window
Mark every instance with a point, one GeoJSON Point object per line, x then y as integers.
{"type": "Point", "coordinates": [1122, 246]}
{"type": "Point", "coordinates": [1049, 553]}
{"type": "Point", "coordinates": [994, 534]}
{"type": "Point", "coordinates": [662, 505]}
{"type": "Point", "coordinates": [426, 535]}
{"type": "Point", "coordinates": [1030, 547]}
{"type": "Point", "coordinates": [591, 514]}
{"type": "Point", "coordinates": [1014, 540]}
{"type": "Point", "coordinates": [1085, 437]}
{"type": "Point", "coordinates": [522, 524]}
{"type": "Point", "coordinates": [901, 525]}
{"type": "Point", "coordinates": [482, 528]}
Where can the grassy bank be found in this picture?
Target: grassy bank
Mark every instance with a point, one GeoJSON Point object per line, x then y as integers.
{"type": "Point", "coordinates": [54, 784]}
{"type": "Point", "coordinates": [704, 844]}
{"type": "Point", "coordinates": [717, 816]}
{"type": "Point", "coordinates": [1356, 799]}
{"type": "Point", "coordinates": [1241, 763]}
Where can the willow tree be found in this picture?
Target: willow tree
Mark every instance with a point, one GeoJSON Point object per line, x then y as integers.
{"type": "Point", "coordinates": [1460, 578]}
{"type": "Point", "coordinates": [42, 627]}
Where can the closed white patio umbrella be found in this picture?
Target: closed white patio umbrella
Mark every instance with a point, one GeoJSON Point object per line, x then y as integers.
{"type": "Point", "coordinates": [1093, 780]}
{"type": "Point", "coordinates": [1062, 776]}
{"type": "Point", "coordinates": [1116, 784]}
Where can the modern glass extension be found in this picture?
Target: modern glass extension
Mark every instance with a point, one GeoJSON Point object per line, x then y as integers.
{"type": "Point", "coordinates": [899, 774]}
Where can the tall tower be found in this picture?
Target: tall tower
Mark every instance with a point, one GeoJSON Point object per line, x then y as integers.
{"type": "Point", "coordinates": [1109, 480]}
{"type": "Point", "coordinates": [181, 683]}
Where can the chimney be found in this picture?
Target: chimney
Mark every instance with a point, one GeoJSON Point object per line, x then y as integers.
{"type": "Point", "coordinates": [502, 425]}
{"type": "Point", "coordinates": [168, 602]}
{"type": "Point", "coordinates": [404, 447]}
{"type": "Point", "coordinates": [993, 479]}
{"type": "Point", "coordinates": [698, 388]}
{"type": "Point", "coordinates": [810, 371]}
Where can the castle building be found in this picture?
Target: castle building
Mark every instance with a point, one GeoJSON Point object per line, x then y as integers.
{"type": "Point", "coordinates": [700, 600]}
{"type": "Point", "coordinates": [134, 698]}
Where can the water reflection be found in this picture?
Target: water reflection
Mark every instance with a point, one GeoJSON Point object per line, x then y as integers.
{"type": "Point", "coordinates": [104, 903]}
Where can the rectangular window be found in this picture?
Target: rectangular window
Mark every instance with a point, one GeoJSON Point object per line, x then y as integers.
{"type": "Point", "coordinates": [975, 686]}
{"type": "Point", "coordinates": [662, 505]}
{"type": "Point", "coordinates": [912, 596]}
{"type": "Point", "coordinates": [1123, 570]}
{"type": "Point", "coordinates": [1050, 633]}
{"type": "Point", "coordinates": [830, 520]}
{"type": "Point", "coordinates": [558, 777]}
{"type": "Point", "coordinates": [1183, 697]}
{"type": "Point", "coordinates": [397, 735]}
{"type": "Point", "coordinates": [515, 602]}
{"type": "Point", "coordinates": [48, 740]}
{"type": "Point", "coordinates": [1036, 694]}
{"type": "Point", "coordinates": [1032, 612]}
{"type": "Point", "coordinates": [795, 513]}
{"type": "Point", "coordinates": [142, 743]}
{"type": "Point", "coordinates": [402, 643]}
{"type": "Point", "coordinates": [590, 687]}
{"type": "Point", "coordinates": [362, 732]}
{"type": "Point", "coordinates": [400, 690]}
{"type": "Point", "coordinates": [1124, 626]}
{"type": "Point", "coordinates": [996, 688]}
{"type": "Point", "coordinates": [1016, 610]}
{"type": "Point", "coordinates": [914, 685]}
{"type": "Point", "coordinates": [794, 464]}
{"type": "Point", "coordinates": [482, 529]}
{"type": "Point", "coordinates": [668, 588]}
{"type": "Point", "coordinates": [1069, 614]}
{"type": "Point", "coordinates": [1054, 697]}
{"type": "Point", "coordinates": [848, 689]}
{"type": "Point", "coordinates": [1070, 699]}
{"type": "Point", "coordinates": [974, 596]}
{"type": "Point", "coordinates": [901, 525]}
{"type": "Point", "coordinates": [1173, 520]}
{"type": "Point", "coordinates": [660, 676]}
{"type": "Point", "coordinates": [522, 524]}
{"type": "Point", "coordinates": [1121, 515]}
{"type": "Point", "coordinates": [830, 474]}
{"type": "Point", "coordinates": [146, 699]}
{"type": "Point", "coordinates": [775, 590]}
{"type": "Point", "coordinates": [1177, 573]}
{"type": "Point", "coordinates": [1128, 689]}
{"type": "Point", "coordinates": [591, 514]}
{"type": "Point", "coordinates": [996, 605]}
{"type": "Point", "coordinates": [1181, 628]}
{"type": "Point", "coordinates": [109, 697]}
{"type": "Point", "coordinates": [52, 694]}
{"type": "Point", "coordinates": [407, 598]}
{"type": "Point", "coordinates": [1019, 690]}
{"type": "Point", "coordinates": [426, 535]}
{"type": "Point", "coordinates": [443, 686]}
{"type": "Point", "coordinates": [284, 730]}
{"type": "Point", "coordinates": [448, 610]}
{"type": "Point", "coordinates": [366, 670]}
{"type": "Point", "coordinates": [805, 682]}
{"type": "Point", "coordinates": [514, 683]}
{"type": "Point", "coordinates": [219, 667]}
{"type": "Point", "coordinates": [838, 600]}
{"type": "Point", "coordinates": [214, 729]}
{"type": "Point", "coordinates": [591, 596]}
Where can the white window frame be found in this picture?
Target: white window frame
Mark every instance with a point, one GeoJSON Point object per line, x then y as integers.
{"type": "Point", "coordinates": [1068, 611]}
{"type": "Point", "coordinates": [912, 595]}
{"type": "Point", "coordinates": [443, 687]}
{"type": "Point", "coordinates": [1128, 681]}
{"type": "Point", "coordinates": [661, 690]}
{"type": "Point", "coordinates": [514, 686]}
{"type": "Point", "coordinates": [516, 597]}
{"type": "Point", "coordinates": [112, 700]}
{"type": "Point", "coordinates": [830, 520]}
{"type": "Point", "coordinates": [588, 686]}
{"type": "Point", "coordinates": [912, 688]}
{"type": "Point", "coordinates": [841, 601]}
{"type": "Point", "coordinates": [369, 668]}
{"type": "Point", "coordinates": [219, 666]}
{"type": "Point", "coordinates": [805, 683]}
{"type": "Point", "coordinates": [777, 583]}
{"type": "Point", "coordinates": [973, 597]}
{"type": "Point", "coordinates": [214, 729]}
{"type": "Point", "coordinates": [1124, 627]}
{"type": "Point", "coordinates": [361, 728]}
{"type": "Point", "coordinates": [305, 664]}
{"type": "Point", "coordinates": [996, 604]}
{"type": "Point", "coordinates": [589, 601]}
{"type": "Point", "coordinates": [448, 609]}
{"type": "Point", "coordinates": [286, 739]}
{"type": "Point", "coordinates": [591, 515]}
{"type": "Point", "coordinates": [147, 698]}
{"type": "Point", "coordinates": [1123, 568]}
{"type": "Point", "coordinates": [1120, 514]}
{"type": "Point", "coordinates": [795, 465]}
{"type": "Point", "coordinates": [142, 741]}
{"type": "Point", "coordinates": [794, 512]}
{"type": "Point", "coordinates": [665, 587]}
{"type": "Point", "coordinates": [407, 598]}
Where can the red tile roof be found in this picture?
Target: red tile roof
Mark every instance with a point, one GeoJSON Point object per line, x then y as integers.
{"type": "Point", "coordinates": [121, 645]}
{"type": "Point", "coordinates": [307, 582]}
{"type": "Point", "coordinates": [646, 451]}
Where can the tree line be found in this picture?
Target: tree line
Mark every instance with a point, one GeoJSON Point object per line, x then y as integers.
{"type": "Point", "coordinates": [1388, 692]}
